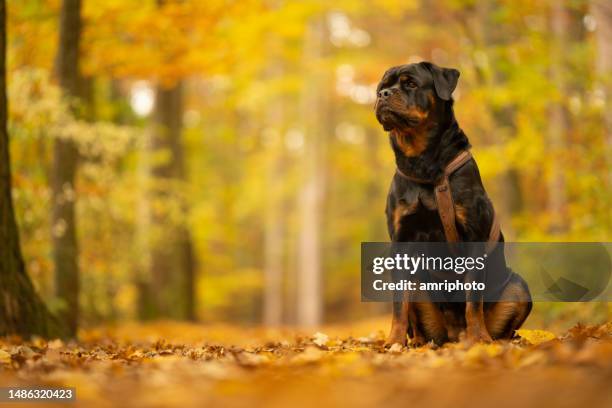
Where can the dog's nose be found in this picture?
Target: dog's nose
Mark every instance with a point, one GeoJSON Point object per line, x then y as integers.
{"type": "Point", "coordinates": [384, 93]}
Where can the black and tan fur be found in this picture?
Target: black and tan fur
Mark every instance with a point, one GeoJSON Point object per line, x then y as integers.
{"type": "Point", "coordinates": [414, 104]}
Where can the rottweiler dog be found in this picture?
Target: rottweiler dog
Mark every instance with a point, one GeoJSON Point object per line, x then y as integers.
{"type": "Point", "coordinates": [415, 105]}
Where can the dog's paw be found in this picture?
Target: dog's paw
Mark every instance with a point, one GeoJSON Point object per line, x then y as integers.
{"type": "Point", "coordinates": [417, 341]}
{"type": "Point", "coordinates": [478, 336]}
{"type": "Point", "coordinates": [396, 338]}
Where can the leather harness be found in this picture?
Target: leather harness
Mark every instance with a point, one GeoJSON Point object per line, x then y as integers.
{"type": "Point", "coordinates": [445, 204]}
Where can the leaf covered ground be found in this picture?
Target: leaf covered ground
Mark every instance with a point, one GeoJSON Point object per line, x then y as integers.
{"type": "Point", "coordinates": [171, 364]}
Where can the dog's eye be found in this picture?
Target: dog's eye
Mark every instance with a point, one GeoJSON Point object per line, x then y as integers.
{"type": "Point", "coordinates": [410, 84]}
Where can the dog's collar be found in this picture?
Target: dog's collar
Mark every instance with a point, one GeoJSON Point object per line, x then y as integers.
{"type": "Point", "coordinates": [446, 206]}
{"type": "Point", "coordinates": [463, 157]}
{"type": "Point", "coordinates": [412, 178]}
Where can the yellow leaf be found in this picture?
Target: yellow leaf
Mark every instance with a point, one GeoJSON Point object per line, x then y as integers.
{"type": "Point", "coordinates": [55, 344]}
{"type": "Point", "coordinates": [396, 348]}
{"type": "Point", "coordinates": [536, 336]}
{"type": "Point", "coordinates": [5, 358]}
{"type": "Point", "coordinates": [480, 352]}
{"type": "Point", "coordinates": [320, 339]}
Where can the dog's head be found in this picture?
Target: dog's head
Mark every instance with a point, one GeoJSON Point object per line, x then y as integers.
{"type": "Point", "coordinates": [408, 95]}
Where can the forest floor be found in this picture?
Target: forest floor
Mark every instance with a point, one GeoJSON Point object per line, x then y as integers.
{"type": "Point", "coordinates": [172, 364]}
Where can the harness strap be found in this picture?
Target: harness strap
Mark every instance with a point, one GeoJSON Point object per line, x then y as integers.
{"type": "Point", "coordinates": [446, 206]}
{"type": "Point", "coordinates": [446, 209]}
{"type": "Point", "coordinates": [412, 178]}
{"type": "Point", "coordinates": [493, 234]}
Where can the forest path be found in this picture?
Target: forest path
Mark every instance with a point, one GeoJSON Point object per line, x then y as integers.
{"type": "Point", "coordinates": [172, 364]}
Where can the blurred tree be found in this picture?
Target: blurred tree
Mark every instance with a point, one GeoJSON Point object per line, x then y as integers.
{"type": "Point", "coordinates": [21, 310]}
{"type": "Point", "coordinates": [602, 17]}
{"type": "Point", "coordinates": [558, 121]}
{"type": "Point", "coordinates": [275, 219]}
{"type": "Point", "coordinates": [171, 290]}
{"type": "Point", "coordinates": [172, 257]}
{"type": "Point", "coordinates": [314, 106]}
{"type": "Point", "coordinates": [65, 157]}
{"type": "Point", "coordinates": [280, 142]}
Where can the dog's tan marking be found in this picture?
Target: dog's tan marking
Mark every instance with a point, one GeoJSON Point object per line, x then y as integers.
{"type": "Point", "coordinates": [417, 339]}
{"type": "Point", "coordinates": [416, 113]}
{"type": "Point", "coordinates": [431, 320]}
{"type": "Point", "coordinates": [401, 210]}
{"type": "Point", "coordinates": [432, 100]}
{"type": "Point", "coordinates": [474, 318]}
{"type": "Point", "coordinates": [411, 142]}
{"type": "Point", "coordinates": [503, 318]}
{"type": "Point", "coordinates": [498, 317]}
{"type": "Point", "coordinates": [461, 214]}
{"type": "Point", "coordinates": [399, 322]}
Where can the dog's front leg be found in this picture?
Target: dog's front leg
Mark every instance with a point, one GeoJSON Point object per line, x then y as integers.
{"type": "Point", "coordinates": [399, 323]}
{"type": "Point", "coordinates": [474, 317]}
{"type": "Point", "coordinates": [417, 339]}
{"type": "Point", "coordinates": [476, 328]}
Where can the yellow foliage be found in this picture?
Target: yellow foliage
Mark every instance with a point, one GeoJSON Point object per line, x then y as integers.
{"type": "Point", "coordinates": [174, 364]}
{"type": "Point", "coordinates": [260, 91]}
{"type": "Point", "coordinates": [536, 336]}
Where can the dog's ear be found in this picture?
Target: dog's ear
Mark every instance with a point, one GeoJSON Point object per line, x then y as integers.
{"type": "Point", "coordinates": [445, 79]}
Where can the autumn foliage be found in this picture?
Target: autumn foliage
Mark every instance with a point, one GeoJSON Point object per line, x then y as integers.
{"type": "Point", "coordinates": [224, 167]}
{"type": "Point", "coordinates": [169, 364]}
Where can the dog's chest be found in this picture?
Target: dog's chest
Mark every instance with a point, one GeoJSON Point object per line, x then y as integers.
{"type": "Point", "coordinates": [415, 215]}
{"type": "Point", "coordinates": [417, 198]}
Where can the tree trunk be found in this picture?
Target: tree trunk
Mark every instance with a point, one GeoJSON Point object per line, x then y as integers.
{"type": "Point", "coordinates": [275, 221]}
{"type": "Point", "coordinates": [142, 264]}
{"type": "Point", "coordinates": [484, 34]}
{"type": "Point", "coordinates": [557, 119]}
{"type": "Point", "coordinates": [309, 287]}
{"type": "Point", "coordinates": [188, 269]}
{"type": "Point", "coordinates": [21, 310]}
{"type": "Point", "coordinates": [602, 13]}
{"type": "Point", "coordinates": [65, 155]}
{"type": "Point", "coordinates": [273, 267]}
{"type": "Point", "coordinates": [172, 262]}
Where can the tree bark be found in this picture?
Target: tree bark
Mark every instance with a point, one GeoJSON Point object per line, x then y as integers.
{"type": "Point", "coordinates": [602, 13]}
{"type": "Point", "coordinates": [171, 292]}
{"type": "Point", "coordinates": [557, 119]}
{"type": "Point", "coordinates": [21, 310]}
{"type": "Point", "coordinates": [65, 157]}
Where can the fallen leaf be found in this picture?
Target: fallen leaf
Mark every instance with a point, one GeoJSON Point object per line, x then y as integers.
{"type": "Point", "coordinates": [536, 337]}
{"type": "Point", "coordinates": [396, 348]}
{"type": "Point", "coordinates": [320, 339]}
{"type": "Point", "coordinates": [5, 358]}
{"type": "Point", "coordinates": [482, 352]}
{"type": "Point", "coordinates": [55, 344]}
